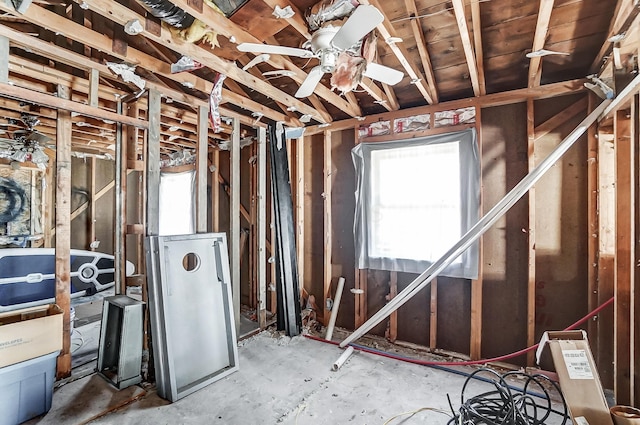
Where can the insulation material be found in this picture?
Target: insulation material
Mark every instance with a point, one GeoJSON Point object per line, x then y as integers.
{"type": "Point", "coordinates": [415, 123]}
{"type": "Point", "coordinates": [133, 27]}
{"type": "Point", "coordinates": [283, 13]}
{"type": "Point", "coordinates": [378, 128]}
{"type": "Point", "coordinates": [329, 10]}
{"type": "Point", "coordinates": [127, 73]}
{"type": "Point", "coordinates": [455, 117]}
{"type": "Point", "coordinates": [214, 103]}
{"type": "Point", "coordinates": [185, 63]}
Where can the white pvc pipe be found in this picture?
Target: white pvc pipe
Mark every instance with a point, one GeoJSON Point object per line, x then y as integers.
{"type": "Point", "coordinates": [334, 309]}
{"type": "Point", "coordinates": [494, 214]}
{"type": "Point", "coordinates": [342, 359]}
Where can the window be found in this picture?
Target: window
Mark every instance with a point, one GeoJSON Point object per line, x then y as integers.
{"type": "Point", "coordinates": [415, 199]}
{"type": "Point", "coordinates": [177, 212]}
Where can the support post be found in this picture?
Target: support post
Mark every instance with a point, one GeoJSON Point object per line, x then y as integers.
{"type": "Point", "coordinates": [153, 163]}
{"type": "Point", "coordinates": [215, 191]}
{"type": "Point", "coordinates": [531, 235]}
{"type": "Point", "coordinates": [328, 187]}
{"type": "Point", "coordinates": [4, 59]}
{"type": "Point", "coordinates": [63, 231]}
{"type": "Point", "coordinates": [262, 227]}
{"type": "Point", "coordinates": [624, 257]}
{"type": "Point", "coordinates": [475, 343]}
{"type": "Point", "coordinates": [593, 228]}
{"type": "Point", "coordinates": [234, 219]}
{"type": "Point", "coordinates": [120, 210]}
{"type": "Point", "coordinates": [94, 84]}
{"type": "Point", "coordinates": [202, 169]}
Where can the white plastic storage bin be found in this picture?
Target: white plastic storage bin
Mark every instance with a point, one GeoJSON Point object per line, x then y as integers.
{"type": "Point", "coordinates": [26, 389]}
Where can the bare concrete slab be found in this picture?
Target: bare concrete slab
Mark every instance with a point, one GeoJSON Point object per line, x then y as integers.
{"type": "Point", "coordinates": [288, 381]}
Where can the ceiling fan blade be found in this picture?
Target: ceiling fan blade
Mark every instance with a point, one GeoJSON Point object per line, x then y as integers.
{"type": "Point", "coordinates": [384, 74]}
{"type": "Point", "coordinates": [360, 23]}
{"type": "Point", "coordinates": [309, 84]}
{"type": "Point", "coordinates": [276, 50]}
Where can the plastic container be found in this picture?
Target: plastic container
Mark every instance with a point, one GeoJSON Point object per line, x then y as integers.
{"type": "Point", "coordinates": [27, 389]}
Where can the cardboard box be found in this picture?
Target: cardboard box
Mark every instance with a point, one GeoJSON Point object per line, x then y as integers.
{"type": "Point", "coordinates": [29, 333]}
{"type": "Point", "coordinates": [570, 355]}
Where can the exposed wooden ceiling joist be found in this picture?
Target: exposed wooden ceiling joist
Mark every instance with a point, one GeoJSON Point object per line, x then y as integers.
{"type": "Point", "coordinates": [422, 47]}
{"type": "Point", "coordinates": [121, 15]}
{"type": "Point", "coordinates": [388, 33]}
{"type": "Point", "coordinates": [539, 38]}
{"type": "Point", "coordinates": [477, 43]}
{"type": "Point", "coordinates": [461, 20]}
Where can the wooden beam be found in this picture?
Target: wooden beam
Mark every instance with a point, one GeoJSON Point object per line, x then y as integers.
{"type": "Point", "coordinates": [377, 94]}
{"type": "Point", "coordinates": [101, 42]}
{"type": "Point", "coordinates": [542, 27]}
{"type": "Point", "coordinates": [328, 226]}
{"type": "Point", "coordinates": [557, 120]}
{"type": "Point", "coordinates": [391, 97]}
{"type": "Point", "coordinates": [531, 236]}
{"type": "Point", "coordinates": [624, 256]}
{"type": "Point", "coordinates": [202, 172]}
{"type": "Point", "coordinates": [477, 43]}
{"type": "Point", "coordinates": [261, 224]}
{"type": "Point", "coordinates": [234, 221]}
{"type": "Point", "coordinates": [152, 158]}
{"type": "Point", "coordinates": [4, 59]}
{"type": "Point", "coordinates": [215, 191]}
{"type": "Point", "coordinates": [496, 99]}
{"type": "Point", "coordinates": [387, 32]}
{"type": "Point", "coordinates": [43, 99]}
{"type": "Point", "coordinates": [635, 307]}
{"type": "Point", "coordinates": [300, 210]}
{"type": "Point", "coordinates": [392, 330]}
{"type": "Point", "coordinates": [63, 232]}
{"type": "Point", "coordinates": [461, 19]}
{"type": "Point", "coordinates": [421, 41]}
{"type": "Point", "coordinates": [360, 297]}
{"type": "Point", "coordinates": [94, 85]}
{"type": "Point", "coordinates": [296, 21]}
{"type": "Point", "coordinates": [433, 314]}
{"type": "Point", "coordinates": [121, 15]}
{"type": "Point", "coordinates": [625, 13]}
{"type": "Point", "coordinates": [475, 344]}
{"type": "Point", "coordinates": [593, 226]}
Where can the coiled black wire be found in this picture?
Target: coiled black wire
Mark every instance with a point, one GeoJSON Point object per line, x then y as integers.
{"type": "Point", "coordinates": [507, 405]}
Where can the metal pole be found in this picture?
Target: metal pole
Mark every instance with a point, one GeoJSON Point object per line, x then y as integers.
{"type": "Point", "coordinates": [118, 234]}
{"type": "Point", "coordinates": [491, 217]}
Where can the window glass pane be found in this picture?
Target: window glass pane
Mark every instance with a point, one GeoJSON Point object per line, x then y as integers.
{"type": "Point", "coordinates": [415, 194]}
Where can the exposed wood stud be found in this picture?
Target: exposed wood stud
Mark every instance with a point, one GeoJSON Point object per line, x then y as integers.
{"type": "Point", "coordinates": [531, 235]}
{"type": "Point", "coordinates": [215, 190]}
{"type": "Point", "coordinates": [433, 314]}
{"type": "Point", "coordinates": [202, 171]}
{"type": "Point", "coordinates": [624, 257]}
{"type": "Point", "coordinates": [120, 213]}
{"type": "Point", "coordinates": [63, 231]}
{"type": "Point", "coordinates": [92, 202]}
{"type": "Point", "coordinates": [234, 219]}
{"type": "Point", "coordinates": [328, 247]}
{"type": "Point", "coordinates": [542, 27]}
{"type": "Point", "coordinates": [635, 306]}
{"type": "Point", "coordinates": [461, 19]}
{"type": "Point", "coordinates": [94, 84]}
{"type": "Point", "coordinates": [475, 344]}
{"type": "Point", "coordinates": [153, 163]}
{"type": "Point", "coordinates": [593, 226]}
{"type": "Point", "coordinates": [262, 228]}
{"type": "Point", "coordinates": [392, 330]}
{"type": "Point", "coordinates": [4, 59]}
{"type": "Point", "coordinates": [300, 210]}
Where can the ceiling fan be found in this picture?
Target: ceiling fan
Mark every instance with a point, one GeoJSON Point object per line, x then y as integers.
{"type": "Point", "coordinates": [25, 143]}
{"type": "Point", "coordinates": [328, 43]}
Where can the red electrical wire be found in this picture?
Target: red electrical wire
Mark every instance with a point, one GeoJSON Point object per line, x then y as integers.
{"type": "Point", "coordinates": [469, 362]}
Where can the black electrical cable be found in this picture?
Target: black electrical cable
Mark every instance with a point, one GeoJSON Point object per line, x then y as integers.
{"type": "Point", "coordinates": [505, 406]}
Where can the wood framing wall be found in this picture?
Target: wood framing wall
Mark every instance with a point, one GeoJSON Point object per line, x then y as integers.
{"type": "Point", "coordinates": [540, 262]}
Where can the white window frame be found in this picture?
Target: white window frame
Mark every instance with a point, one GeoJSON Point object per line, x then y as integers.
{"type": "Point", "coordinates": [399, 183]}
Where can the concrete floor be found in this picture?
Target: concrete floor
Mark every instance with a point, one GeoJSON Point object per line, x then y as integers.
{"type": "Point", "coordinates": [281, 381]}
